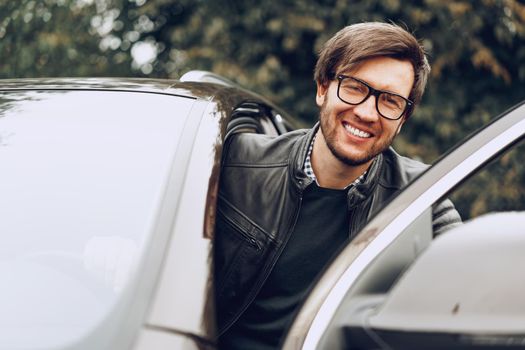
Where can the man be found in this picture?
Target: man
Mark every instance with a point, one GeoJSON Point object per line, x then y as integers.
{"type": "Point", "coordinates": [287, 204]}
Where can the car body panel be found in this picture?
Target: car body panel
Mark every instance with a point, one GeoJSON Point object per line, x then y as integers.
{"type": "Point", "coordinates": [192, 245]}
{"type": "Point", "coordinates": [476, 297]}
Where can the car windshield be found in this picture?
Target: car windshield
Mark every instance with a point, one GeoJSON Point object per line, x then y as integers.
{"type": "Point", "coordinates": [82, 175]}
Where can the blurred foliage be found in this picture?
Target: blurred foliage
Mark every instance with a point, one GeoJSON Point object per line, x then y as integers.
{"type": "Point", "coordinates": [50, 38]}
{"type": "Point", "coordinates": [476, 50]}
{"type": "Point", "coordinates": [498, 187]}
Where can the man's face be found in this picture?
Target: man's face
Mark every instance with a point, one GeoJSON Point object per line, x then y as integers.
{"type": "Point", "coordinates": [356, 134]}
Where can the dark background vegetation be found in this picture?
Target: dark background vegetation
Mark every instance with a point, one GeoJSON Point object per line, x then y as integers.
{"type": "Point", "coordinates": [476, 50]}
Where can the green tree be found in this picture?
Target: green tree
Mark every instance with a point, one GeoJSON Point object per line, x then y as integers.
{"type": "Point", "coordinates": [476, 50]}
{"type": "Point", "coordinates": [44, 38]}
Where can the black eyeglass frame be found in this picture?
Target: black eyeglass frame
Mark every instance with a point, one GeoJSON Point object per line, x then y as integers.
{"type": "Point", "coordinates": [375, 93]}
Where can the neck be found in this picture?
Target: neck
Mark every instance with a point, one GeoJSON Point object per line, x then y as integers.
{"type": "Point", "coordinates": [330, 171]}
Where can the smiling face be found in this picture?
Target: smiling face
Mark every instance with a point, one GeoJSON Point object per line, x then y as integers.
{"type": "Point", "coordinates": [355, 134]}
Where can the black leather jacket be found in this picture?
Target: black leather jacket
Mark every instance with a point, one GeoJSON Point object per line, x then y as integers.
{"type": "Point", "coordinates": [260, 195]}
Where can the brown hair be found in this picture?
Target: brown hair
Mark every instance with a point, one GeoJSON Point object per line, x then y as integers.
{"type": "Point", "coordinates": [358, 42]}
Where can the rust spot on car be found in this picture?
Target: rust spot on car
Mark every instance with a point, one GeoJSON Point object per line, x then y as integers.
{"type": "Point", "coordinates": [455, 309]}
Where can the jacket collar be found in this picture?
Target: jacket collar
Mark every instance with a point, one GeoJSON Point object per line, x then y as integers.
{"type": "Point", "coordinates": [360, 192]}
{"type": "Point", "coordinates": [299, 152]}
{"type": "Point", "coordinates": [356, 194]}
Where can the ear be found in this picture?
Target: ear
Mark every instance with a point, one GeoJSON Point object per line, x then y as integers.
{"type": "Point", "coordinates": [400, 125]}
{"type": "Point", "coordinates": [321, 93]}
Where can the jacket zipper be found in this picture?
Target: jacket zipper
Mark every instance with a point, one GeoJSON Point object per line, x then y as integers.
{"type": "Point", "coordinates": [267, 272]}
{"type": "Point", "coordinates": [247, 236]}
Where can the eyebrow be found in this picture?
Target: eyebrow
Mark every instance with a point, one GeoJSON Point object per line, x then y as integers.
{"type": "Point", "coordinates": [372, 85]}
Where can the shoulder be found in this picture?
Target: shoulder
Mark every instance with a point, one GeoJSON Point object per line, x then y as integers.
{"type": "Point", "coordinates": [399, 170]}
{"type": "Point", "coordinates": [248, 148]}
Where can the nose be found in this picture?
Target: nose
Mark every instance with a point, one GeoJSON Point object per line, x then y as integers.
{"type": "Point", "coordinates": [366, 110]}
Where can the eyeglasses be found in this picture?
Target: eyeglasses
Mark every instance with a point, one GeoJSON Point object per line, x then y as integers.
{"type": "Point", "coordinates": [388, 104]}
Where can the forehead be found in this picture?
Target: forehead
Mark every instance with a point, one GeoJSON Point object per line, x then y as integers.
{"type": "Point", "coordinates": [385, 73]}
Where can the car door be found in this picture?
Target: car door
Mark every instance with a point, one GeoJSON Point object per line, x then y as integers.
{"type": "Point", "coordinates": [181, 316]}
{"type": "Point", "coordinates": [352, 301]}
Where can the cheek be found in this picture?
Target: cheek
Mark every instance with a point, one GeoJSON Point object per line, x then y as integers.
{"type": "Point", "coordinates": [392, 130]}
{"type": "Point", "coordinates": [330, 112]}
{"type": "Point", "coordinates": [395, 128]}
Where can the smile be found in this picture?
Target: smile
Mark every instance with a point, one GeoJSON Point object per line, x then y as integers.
{"type": "Point", "coordinates": [356, 132]}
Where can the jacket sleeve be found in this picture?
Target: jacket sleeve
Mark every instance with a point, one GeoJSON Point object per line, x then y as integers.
{"type": "Point", "coordinates": [444, 217]}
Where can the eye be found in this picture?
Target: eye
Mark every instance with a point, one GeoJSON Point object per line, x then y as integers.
{"type": "Point", "coordinates": [353, 86]}
{"type": "Point", "coordinates": [392, 101]}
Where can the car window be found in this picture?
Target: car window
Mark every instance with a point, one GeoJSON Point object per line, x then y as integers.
{"type": "Point", "coordinates": [82, 175]}
{"type": "Point", "coordinates": [496, 187]}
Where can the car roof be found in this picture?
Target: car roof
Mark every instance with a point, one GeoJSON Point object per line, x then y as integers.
{"type": "Point", "coordinates": [88, 83]}
{"type": "Point", "coordinates": [163, 86]}
{"type": "Point", "coordinates": [201, 85]}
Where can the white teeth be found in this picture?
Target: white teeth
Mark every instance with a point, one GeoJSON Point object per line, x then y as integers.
{"type": "Point", "coordinates": [356, 132]}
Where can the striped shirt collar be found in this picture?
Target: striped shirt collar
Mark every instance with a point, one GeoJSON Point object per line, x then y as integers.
{"type": "Point", "coordinates": [309, 171]}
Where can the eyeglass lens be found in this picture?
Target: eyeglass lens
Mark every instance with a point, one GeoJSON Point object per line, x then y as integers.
{"type": "Point", "coordinates": [355, 92]}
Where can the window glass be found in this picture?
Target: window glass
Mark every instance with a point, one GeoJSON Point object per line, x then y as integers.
{"type": "Point", "coordinates": [82, 177]}
{"type": "Point", "coordinates": [496, 187]}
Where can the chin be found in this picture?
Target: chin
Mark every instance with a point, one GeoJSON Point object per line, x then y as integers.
{"type": "Point", "coordinates": [355, 161]}
{"type": "Point", "coordinates": [350, 158]}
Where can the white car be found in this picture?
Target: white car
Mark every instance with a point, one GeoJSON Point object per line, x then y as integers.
{"type": "Point", "coordinates": [107, 204]}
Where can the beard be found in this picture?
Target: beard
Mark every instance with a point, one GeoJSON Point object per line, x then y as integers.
{"type": "Point", "coordinates": [329, 129]}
